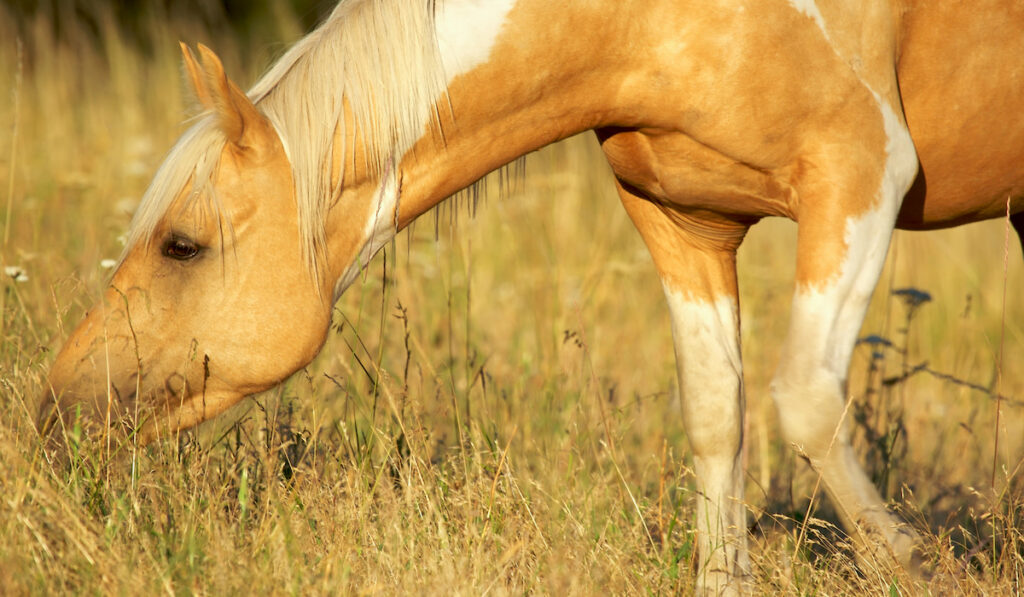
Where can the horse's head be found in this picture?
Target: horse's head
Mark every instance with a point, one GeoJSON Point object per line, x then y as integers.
{"type": "Point", "coordinates": [213, 299]}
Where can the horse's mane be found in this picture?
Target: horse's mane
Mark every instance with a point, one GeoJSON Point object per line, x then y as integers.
{"type": "Point", "coordinates": [378, 56]}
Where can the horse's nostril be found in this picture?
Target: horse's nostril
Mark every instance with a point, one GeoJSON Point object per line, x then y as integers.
{"type": "Point", "coordinates": [176, 384]}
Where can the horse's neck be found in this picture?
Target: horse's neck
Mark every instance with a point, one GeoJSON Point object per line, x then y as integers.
{"type": "Point", "coordinates": [534, 81]}
{"type": "Point", "coordinates": [517, 82]}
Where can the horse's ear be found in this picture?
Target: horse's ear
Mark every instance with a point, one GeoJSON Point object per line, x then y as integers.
{"type": "Point", "coordinates": [236, 114]}
{"type": "Point", "coordinates": [195, 77]}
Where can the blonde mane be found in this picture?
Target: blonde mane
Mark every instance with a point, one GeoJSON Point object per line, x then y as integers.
{"type": "Point", "coordinates": [378, 56]}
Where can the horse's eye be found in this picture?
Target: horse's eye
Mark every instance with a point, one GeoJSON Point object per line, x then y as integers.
{"type": "Point", "coordinates": [180, 248]}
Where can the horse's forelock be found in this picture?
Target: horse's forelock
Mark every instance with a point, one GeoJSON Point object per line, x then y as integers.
{"type": "Point", "coordinates": [191, 163]}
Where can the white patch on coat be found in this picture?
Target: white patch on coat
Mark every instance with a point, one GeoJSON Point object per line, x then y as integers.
{"type": "Point", "coordinates": [901, 161]}
{"type": "Point", "coordinates": [380, 228]}
{"type": "Point", "coordinates": [810, 9]}
{"type": "Point", "coordinates": [467, 31]}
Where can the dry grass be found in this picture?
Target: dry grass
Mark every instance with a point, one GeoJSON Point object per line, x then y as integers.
{"type": "Point", "coordinates": [495, 412]}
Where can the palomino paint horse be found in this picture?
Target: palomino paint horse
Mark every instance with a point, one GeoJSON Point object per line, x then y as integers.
{"type": "Point", "coordinates": [848, 117]}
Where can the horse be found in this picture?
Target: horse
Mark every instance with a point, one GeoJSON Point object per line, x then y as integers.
{"type": "Point", "coordinates": [849, 118]}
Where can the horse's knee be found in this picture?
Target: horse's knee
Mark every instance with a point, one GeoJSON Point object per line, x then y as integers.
{"type": "Point", "coordinates": [810, 408]}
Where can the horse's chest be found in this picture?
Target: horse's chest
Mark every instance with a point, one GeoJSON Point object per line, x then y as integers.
{"type": "Point", "coordinates": [670, 167]}
{"type": "Point", "coordinates": [633, 162]}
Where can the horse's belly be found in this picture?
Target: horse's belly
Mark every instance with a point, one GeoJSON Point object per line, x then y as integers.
{"type": "Point", "coordinates": [961, 74]}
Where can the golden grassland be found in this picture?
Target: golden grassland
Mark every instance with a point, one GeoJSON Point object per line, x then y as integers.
{"type": "Point", "coordinates": [495, 411]}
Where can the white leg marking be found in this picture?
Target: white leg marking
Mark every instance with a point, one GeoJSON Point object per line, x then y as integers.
{"type": "Point", "coordinates": [710, 375]}
{"type": "Point", "coordinates": [826, 321]}
{"type": "Point", "coordinates": [823, 329]}
{"type": "Point", "coordinates": [810, 383]}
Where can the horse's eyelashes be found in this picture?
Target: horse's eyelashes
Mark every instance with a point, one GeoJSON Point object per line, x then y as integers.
{"type": "Point", "coordinates": [181, 249]}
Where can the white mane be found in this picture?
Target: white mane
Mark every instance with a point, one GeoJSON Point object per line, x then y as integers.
{"type": "Point", "coordinates": [378, 56]}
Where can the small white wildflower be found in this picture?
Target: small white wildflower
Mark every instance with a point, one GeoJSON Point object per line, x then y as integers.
{"type": "Point", "coordinates": [126, 205]}
{"type": "Point", "coordinates": [16, 273]}
{"type": "Point", "coordinates": [123, 239]}
{"type": "Point", "coordinates": [136, 168]}
{"type": "Point", "coordinates": [140, 145]}
{"type": "Point", "coordinates": [108, 263]}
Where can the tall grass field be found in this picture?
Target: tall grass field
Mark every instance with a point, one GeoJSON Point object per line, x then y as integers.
{"type": "Point", "coordinates": [495, 411]}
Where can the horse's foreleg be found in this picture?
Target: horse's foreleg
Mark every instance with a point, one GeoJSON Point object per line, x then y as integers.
{"type": "Point", "coordinates": [699, 278]}
{"type": "Point", "coordinates": [841, 248]}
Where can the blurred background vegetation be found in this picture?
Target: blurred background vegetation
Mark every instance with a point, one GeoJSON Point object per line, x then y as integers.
{"type": "Point", "coordinates": [242, 19]}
